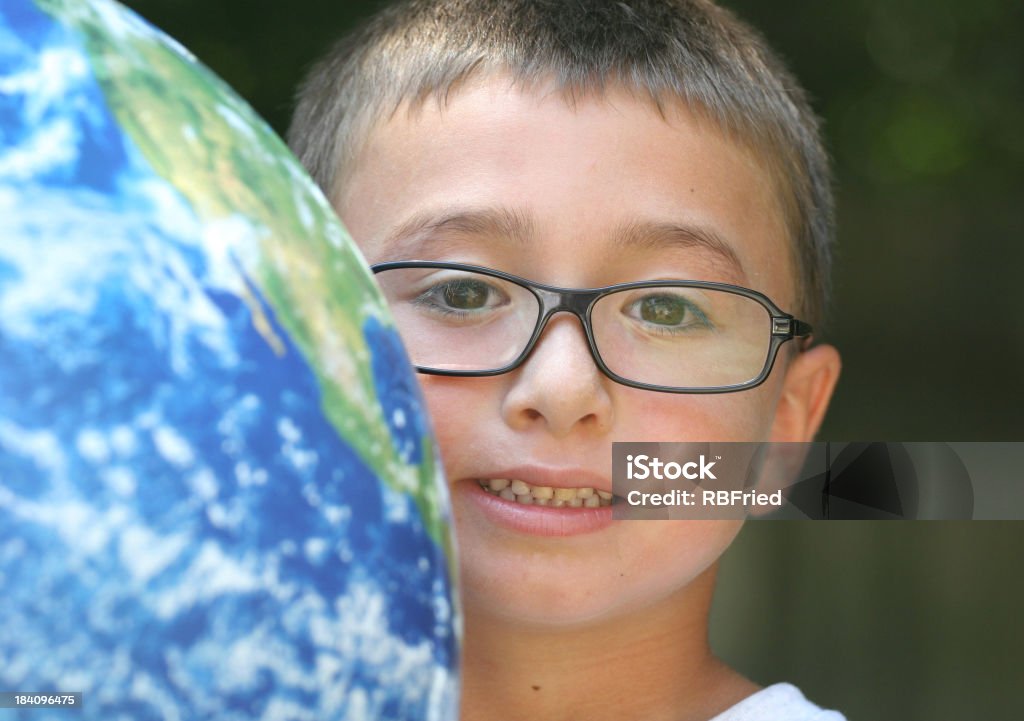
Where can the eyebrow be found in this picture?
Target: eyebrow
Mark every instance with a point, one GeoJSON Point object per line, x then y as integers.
{"type": "Point", "coordinates": [502, 224]}
{"type": "Point", "coordinates": [516, 227]}
{"type": "Point", "coordinates": [657, 235]}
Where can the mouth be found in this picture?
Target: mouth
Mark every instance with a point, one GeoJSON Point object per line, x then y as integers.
{"type": "Point", "coordinates": [541, 500]}
{"type": "Point", "coordinates": [521, 492]}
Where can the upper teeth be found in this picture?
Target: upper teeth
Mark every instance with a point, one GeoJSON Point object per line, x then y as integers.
{"type": "Point", "coordinates": [522, 492]}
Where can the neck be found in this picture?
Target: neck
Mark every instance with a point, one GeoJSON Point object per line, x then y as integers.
{"type": "Point", "coordinates": [654, 665]}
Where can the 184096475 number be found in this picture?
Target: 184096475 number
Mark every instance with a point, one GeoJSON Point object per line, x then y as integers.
{"type": "Point", "coordinates": [19, 699]}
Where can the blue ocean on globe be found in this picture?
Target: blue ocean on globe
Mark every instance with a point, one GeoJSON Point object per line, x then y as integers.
{"type": "Point", "coordinates": [219, 496]}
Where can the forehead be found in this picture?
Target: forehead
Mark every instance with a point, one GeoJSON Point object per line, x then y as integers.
{"type": "Point", "coordinates": [569, 193]}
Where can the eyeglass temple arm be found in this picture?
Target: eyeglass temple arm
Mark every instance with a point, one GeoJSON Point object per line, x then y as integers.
{"type": "Point", "coordinates": [791, 328]}
{"type": "Point", "coordinates": [801, 329]}
{"type": "Point", "coordinates": [803, 333]}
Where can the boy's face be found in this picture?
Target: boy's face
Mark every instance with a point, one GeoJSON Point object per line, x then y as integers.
{"type": "Point", "coordinates": [604, 193]}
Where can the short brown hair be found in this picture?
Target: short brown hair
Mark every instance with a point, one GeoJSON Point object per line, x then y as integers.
{"type": "Point", "coordinates": [668, 50]}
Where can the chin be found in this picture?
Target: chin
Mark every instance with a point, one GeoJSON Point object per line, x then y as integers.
{"type": "Point", "coordinates": [543, 603]}
{"type": "Point", "coordinates": [571, 590]}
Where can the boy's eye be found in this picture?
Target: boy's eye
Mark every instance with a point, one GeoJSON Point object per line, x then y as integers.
{"type": "Point", "coordinates": [466, 294]}
{"type": "Point", "coordinates": [667, 310]}
{"type": "Point", "coordinates": [663, 310]}
{"type": "Point", "coordinates": [461, 296]}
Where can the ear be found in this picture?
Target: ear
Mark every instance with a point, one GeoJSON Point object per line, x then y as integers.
{"type": "Point", "coordinates": [810, 378]}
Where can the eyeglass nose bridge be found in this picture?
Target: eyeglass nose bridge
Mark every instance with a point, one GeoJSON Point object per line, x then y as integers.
{"type": "Point", "coordinates": [563, 300]}
{"type": "Point", "coordinates": [556, 300]}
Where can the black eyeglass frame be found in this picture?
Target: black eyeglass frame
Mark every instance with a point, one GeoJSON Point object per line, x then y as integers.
{"type": "Point", "coordinates": [580, 302]}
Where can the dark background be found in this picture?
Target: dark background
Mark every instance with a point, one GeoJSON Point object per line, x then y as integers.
{"type": "Point", "coordinates": [923, 102]}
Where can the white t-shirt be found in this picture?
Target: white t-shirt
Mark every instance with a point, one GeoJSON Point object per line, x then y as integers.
{"type": "Point", "coordinates": [780, 702]}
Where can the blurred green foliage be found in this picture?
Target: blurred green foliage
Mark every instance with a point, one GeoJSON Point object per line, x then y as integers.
{"type": "Point", "coordinates": [923, 105]}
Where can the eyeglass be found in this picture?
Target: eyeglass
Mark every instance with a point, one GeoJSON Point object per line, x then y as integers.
{"type": "Point", "coordinates": [674, 336]}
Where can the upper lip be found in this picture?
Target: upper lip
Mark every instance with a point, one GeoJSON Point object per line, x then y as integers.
{"type": "Point", "coordinates": [549, 476]}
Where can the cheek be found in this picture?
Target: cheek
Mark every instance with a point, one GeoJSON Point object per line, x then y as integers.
{"type": "Point", "coordinates": [461, 411]}
{"type": "Point", "coordinates": [744, 416]}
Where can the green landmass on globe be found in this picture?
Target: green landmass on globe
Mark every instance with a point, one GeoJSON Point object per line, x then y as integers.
{"type": "Point", "coordinates": [187, 123]}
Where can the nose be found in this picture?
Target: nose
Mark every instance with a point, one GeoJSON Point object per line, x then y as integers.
{"type": "Point", "coordinates": [560, 386]}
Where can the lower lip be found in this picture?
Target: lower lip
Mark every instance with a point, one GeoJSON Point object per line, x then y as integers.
{"type": "Point", "coordinates": [537, 520]}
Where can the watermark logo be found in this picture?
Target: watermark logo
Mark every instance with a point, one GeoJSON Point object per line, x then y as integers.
{"type": "Point", "coordinates": [641, 467]}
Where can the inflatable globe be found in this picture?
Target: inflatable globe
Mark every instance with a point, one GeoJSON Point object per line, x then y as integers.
{"type": "Point", "coordinates": [219, 497]}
